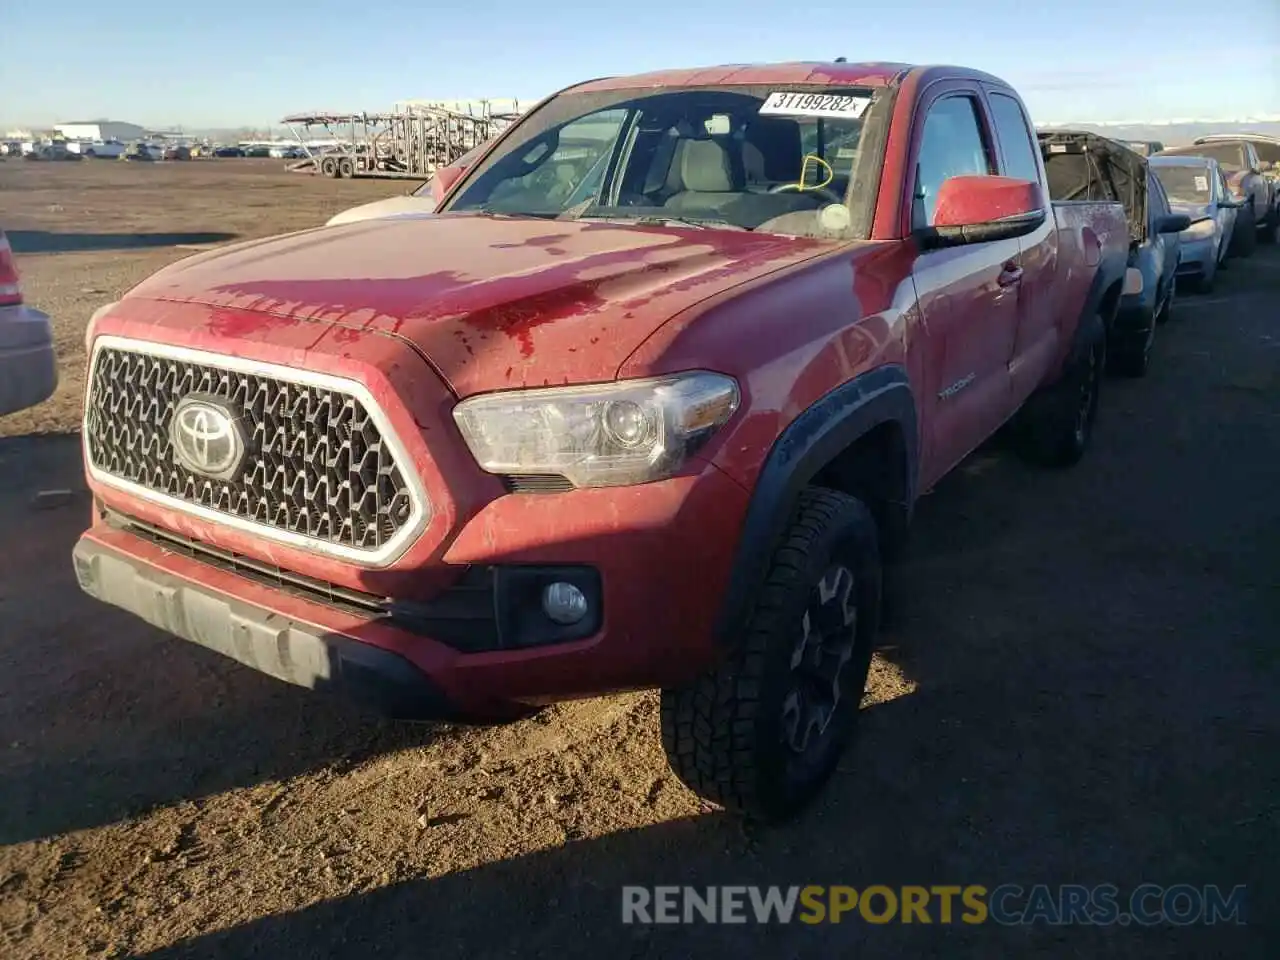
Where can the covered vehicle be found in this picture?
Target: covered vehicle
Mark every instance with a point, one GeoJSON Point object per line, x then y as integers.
{"type": "Point", "coordinates": [1084, 166]}
{"type": "Point", "coordinates": [1197, 187]}
{"type": "Point", "coordinates": [1238, 159]}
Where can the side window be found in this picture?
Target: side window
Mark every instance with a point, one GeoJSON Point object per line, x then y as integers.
{"type": "Point", "coordinates": [952, 145]}
{"type": "Point", "coordinates": [1157, 202]}
{"type": "Point", "coordinates": [1015, 138]}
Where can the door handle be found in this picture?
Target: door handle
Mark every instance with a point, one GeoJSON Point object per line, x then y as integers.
{"type": "Point", "coordinates": [1010, 274]}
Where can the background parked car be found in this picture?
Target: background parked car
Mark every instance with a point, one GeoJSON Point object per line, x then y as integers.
{"type": "Point", "coordinates": [1238, 158]}
{"type": "Point", "coordinates": [1081, 165]}
{"type": "Point", "coordinates": [1144, 148]}
{"type": "Point", "coordinates": [56, 150]}
{"type": "Point", "coordinates": [28, 366]}
{"type": "Point", "coordinates": [97, 149]}
{"type": "Point", "coordinates": [143, 151]}
{"type": "Point", "coordinates": [177, 151]}
{"type": "Point", "coordinates": [1197, 187]}
{"type": "Point", "coordinates": [228, 151]}
{"type": "Point", "coordinates": [422, 200]}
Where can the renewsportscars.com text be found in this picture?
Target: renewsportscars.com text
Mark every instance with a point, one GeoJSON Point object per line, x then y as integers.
{"type": "Point", "coordinates": [1147, 904]}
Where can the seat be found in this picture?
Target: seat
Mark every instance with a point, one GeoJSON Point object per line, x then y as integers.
{"type": "Point", "coordinates": [709, 177]}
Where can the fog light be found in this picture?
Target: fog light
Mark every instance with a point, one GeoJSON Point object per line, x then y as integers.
{"type": "Point", "coordinates": [563, 602]}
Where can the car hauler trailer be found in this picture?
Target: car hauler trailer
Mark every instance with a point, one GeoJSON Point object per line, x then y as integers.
{"type": "Point", "coordinates": [408, 143]}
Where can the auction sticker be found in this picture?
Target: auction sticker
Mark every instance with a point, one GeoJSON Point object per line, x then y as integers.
{"type": "Point", "coordinates": [797, 104]}
{"type": "Point", "coordinates": [1202, 184]}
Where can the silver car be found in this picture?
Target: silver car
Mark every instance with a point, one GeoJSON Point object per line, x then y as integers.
{"type": "Point", "coordinates": [1197, 187]}
{"type": "Point", "coordinates": [28, 367]}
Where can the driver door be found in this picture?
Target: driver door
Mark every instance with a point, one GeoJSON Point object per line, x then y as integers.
{"type": "Point", "coordinates": [968, 295]}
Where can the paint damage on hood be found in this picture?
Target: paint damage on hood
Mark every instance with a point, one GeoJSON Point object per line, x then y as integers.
{"type": "Point", "coordinates": [492, 302]}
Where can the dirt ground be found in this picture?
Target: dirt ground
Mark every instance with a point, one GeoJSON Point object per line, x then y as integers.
{"type": "Point", "coordinates": [1080, 689]}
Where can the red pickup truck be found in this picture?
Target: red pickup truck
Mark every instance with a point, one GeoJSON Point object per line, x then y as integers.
{"type": "Point", "coordinates": [646, 402]}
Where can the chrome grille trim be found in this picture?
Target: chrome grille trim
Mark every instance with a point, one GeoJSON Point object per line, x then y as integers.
{"type": "Point", "coordinates": [383, 555]}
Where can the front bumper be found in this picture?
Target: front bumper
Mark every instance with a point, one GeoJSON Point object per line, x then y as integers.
{"type": "Point", "coordinates": [663, 552]}
{"type": "Point", "coordinates": [1198, 257]}
{"type": "Point", "coordinates": [28, 365]}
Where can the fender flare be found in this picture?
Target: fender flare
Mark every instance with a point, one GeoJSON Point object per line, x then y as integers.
{"type": "Point", "coordinates": [1091, 324]}
{"type": "Point", "coordinates": [807, 444]}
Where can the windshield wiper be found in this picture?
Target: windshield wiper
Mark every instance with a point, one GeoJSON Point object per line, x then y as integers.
{"type": "Point", "coordinates": [577, 210]}
{"type": "Point", "coordinates": [702, 223]}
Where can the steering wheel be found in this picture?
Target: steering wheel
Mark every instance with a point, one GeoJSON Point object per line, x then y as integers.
{"type": "Point", "coordinates": [829, 195]}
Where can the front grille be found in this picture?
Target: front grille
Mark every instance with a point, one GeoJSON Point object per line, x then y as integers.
{"type": "Point", "coordinates": [317, 466]}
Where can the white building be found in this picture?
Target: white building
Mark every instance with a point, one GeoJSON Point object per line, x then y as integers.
{"type": "Point", "coordinates": [100, 130]}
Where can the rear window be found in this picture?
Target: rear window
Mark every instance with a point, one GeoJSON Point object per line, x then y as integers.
{"type": "Point", "coordinates": [1230, 156]}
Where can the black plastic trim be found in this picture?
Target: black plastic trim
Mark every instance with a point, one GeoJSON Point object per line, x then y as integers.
{"type": "Point", "coordinates": [808, 444]}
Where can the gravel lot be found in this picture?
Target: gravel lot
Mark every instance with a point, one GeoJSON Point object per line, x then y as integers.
{"type": "Point", "coordinates": [1081, 689]}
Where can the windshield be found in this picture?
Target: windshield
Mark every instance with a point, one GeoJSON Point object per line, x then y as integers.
{"type": "Point", "coordinates": [1185, 184]}
{"type": "Point", "coordinates": [744, 157]}
{"type": "Point", "coordinates": [1230, 156]}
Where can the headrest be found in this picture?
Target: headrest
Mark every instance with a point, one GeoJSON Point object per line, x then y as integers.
{"type": "Point", "coordinates": [705, 167]}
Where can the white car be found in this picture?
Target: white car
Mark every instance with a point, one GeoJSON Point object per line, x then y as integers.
{"type": "Point", "coordinates": [422, 200]}
{"type": "Point", "coordinates": [28, 366]}
{"type": "Point", "coordinates": [100, 149]}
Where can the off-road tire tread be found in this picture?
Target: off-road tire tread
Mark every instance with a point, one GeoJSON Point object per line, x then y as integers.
{"type": "Point", "coordinates": [707, 725]}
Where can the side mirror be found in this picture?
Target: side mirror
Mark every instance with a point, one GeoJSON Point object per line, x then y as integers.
{"type": "Point", "coordinates": [1229, 202]}
{"type": "Point", "coordinates": [443, 179]}
{"type": "Point", "coordinates": [1172, 223]}
{"type": "Point", "coordinates": [979, 209]}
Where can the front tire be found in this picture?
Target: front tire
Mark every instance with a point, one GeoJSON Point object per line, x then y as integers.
{"type": "Point", "coordinates": [1245, 238]}
{"type": "Point", "coordinates": [760, 734]}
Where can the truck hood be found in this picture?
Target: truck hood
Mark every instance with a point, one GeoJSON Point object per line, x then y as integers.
{"type": "Point", "coordinates": [492, 302]}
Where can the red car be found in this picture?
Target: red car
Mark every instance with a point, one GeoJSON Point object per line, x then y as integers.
{"type": "Point", "coordinates": [646, 402]}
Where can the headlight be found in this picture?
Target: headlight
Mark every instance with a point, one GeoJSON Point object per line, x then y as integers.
{"type": "Point", "coordinates": [602, 435]}
{"type": "Point", "coordinates": [93, 322]}
{"type": "Point", "coordinates": [1200, 230]}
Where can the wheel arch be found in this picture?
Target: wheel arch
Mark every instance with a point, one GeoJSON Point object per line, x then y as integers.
{"type": "Point", "coordinates": [862, 438]}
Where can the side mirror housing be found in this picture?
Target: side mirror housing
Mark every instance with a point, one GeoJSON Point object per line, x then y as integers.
{"type": "Point", "coordinates": [1173, 223]}
{"type": "Point", "coordinates": [1230, 203]}
{"type": "Point", "coordinates": [443, 179]}
{"type": "Point", "coordinates": [979, 209]}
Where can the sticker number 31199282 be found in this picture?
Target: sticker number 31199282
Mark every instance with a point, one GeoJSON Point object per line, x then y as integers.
{"type": "Point", "coordinates": [797, 104]}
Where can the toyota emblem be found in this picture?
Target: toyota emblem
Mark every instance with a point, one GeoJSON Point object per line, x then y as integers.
{"type": "Point", "coordinates": [207, 438]}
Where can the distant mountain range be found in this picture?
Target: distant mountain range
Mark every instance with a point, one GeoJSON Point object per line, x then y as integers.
{"type": "Point", "coordinates": [1172, 133]}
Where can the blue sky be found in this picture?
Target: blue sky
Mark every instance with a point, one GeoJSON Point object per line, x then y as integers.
{"type": "Point", "coordinates": [233, 62]}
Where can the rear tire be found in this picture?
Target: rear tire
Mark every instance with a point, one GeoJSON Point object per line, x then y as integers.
{"type": "Point", "coordinates": [1268, 234]}
{"type": "Point", "coordinates": [1244, 240]}
{"type": "Point", "coordinates": [329, 167]}
{"type": "Point", "coordinates": [1129, 361]}
{"type": "Point", "coordinates": [760, 734]}
{"type": "Point", "coordinates": [346, 169]}
{"type": "Point", "coordinates": [1053, 429]}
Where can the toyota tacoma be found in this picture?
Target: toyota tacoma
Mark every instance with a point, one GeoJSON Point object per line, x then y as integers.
{"type": "Point", "coordinates": [646, 402]}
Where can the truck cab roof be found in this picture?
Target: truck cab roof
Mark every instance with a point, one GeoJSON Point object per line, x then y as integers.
{"type": "Point", "coordinates": [831, 73]}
